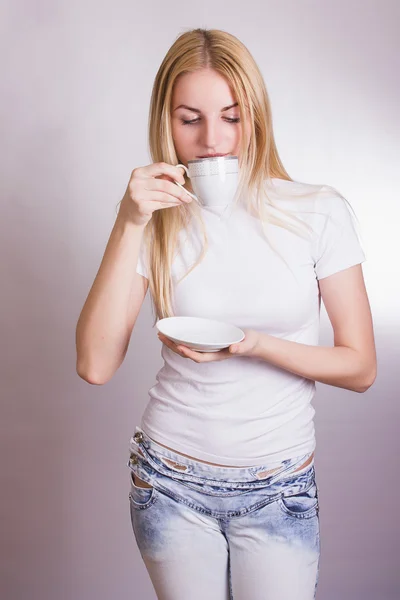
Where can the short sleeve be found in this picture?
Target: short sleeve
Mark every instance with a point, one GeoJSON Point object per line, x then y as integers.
{"type": "Point", "coordinates": [141, 266]}
{"type": "Point", "coordinates": [338, 244]}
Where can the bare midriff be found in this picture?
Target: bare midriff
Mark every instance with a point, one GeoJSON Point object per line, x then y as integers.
{"type": "Point", "coordinates": [307, 462]}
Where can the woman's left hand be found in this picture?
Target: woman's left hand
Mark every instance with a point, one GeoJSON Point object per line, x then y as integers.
{"type": "Point", "coordinates": [247, 347]}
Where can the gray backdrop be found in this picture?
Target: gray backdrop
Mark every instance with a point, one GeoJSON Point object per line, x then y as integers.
{"type": "Point", "coordinates": [75, 88]}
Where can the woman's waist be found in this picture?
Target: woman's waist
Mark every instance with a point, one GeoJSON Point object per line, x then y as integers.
{"type": "Point", "coordinates": [308, 460]}
{"type": "Point", "coordinates": [184, 466]}
{"type": "Point", "coordinates": [230, 442]}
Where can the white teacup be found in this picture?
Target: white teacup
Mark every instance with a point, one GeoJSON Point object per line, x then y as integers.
{"type": "Point", "coordinates": [214, 180]}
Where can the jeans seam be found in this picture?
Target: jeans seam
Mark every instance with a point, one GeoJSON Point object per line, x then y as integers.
{"type": "Point", "coordinates": [145, 506]}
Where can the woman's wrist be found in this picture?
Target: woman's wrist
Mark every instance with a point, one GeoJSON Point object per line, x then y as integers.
{"type": "Point", "coordinates": [126, 219]}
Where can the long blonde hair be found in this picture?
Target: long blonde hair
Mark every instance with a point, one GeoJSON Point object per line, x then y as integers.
{"type": "Point", "coordinates": [259, 159]}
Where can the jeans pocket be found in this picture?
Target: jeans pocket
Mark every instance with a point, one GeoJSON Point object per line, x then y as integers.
{"type": "Point", "coordinates": [300, 505]}
{"type": "Point", "coordinates": [141, 497]}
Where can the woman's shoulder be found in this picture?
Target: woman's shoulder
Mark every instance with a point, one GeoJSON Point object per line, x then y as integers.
{"type": "Point", "coordinates": [294, 187]}
{"type": "Point", "coordinates": [303, 197]}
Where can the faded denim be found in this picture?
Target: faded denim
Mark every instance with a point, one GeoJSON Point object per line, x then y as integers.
{"type": "Point", "coordinates": [224, 533]}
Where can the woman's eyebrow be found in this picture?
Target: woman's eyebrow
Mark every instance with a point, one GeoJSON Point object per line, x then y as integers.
{"type": "Point", "coordinates": [196, 110]}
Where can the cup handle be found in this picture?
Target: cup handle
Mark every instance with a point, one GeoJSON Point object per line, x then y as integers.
{"type": "Point", "coordinates": [181, 186]}
{"type": "Point", "coordinates": [185, 168]}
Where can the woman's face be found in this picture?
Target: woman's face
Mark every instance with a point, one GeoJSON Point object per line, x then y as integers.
{"type": "Point", "coordinates": [205, 118]}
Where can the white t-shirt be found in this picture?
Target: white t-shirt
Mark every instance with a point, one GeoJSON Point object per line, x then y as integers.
{"type": "Point", "coordinates": [244, 411]}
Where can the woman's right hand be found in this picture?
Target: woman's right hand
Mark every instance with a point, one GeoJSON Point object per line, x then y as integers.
{"type": "Point", "coordinates": [151, 188]}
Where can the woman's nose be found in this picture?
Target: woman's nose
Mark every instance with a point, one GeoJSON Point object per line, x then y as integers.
{"type": "Point", "coordinates": [210, 135]}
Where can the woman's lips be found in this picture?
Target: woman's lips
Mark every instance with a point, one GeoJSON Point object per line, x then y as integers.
{"type": "Point", "coordinates": [211, 155]}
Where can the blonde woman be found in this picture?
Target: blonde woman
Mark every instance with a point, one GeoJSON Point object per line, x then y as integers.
{"type": "Point", "coordinates": [223, 499]}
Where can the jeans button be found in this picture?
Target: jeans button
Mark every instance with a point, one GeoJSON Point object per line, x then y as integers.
{"type": "Point", "coordinates": [134, 459]}
{"type": "Point", "coordinates": [138, 437]}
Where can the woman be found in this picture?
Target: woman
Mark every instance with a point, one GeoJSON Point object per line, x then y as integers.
{"type": "Point", "coordinates": [223, 497]}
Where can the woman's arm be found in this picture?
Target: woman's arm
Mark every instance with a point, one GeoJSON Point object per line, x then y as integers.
{"type": "Point", "coordinates": [105, 324]}
{"type": "Point", "coordinates": [351, 363]}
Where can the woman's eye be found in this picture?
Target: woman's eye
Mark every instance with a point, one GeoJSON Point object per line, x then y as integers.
{"type": "Point", "coordinates": [194, 121]}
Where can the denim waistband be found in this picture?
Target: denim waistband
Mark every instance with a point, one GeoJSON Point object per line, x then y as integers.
{"type": "Point", "coordinates": [146, 449]}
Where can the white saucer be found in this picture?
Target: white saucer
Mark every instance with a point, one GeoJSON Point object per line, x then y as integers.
{"type": "Point", "coordinates": [201, 335]}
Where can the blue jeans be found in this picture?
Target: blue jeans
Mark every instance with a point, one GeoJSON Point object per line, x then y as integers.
{"type": "Point", "coordinates": [222, 533]}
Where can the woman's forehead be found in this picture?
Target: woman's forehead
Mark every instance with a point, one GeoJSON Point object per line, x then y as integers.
{"type": "Point", "coordinates": [205, 87]}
